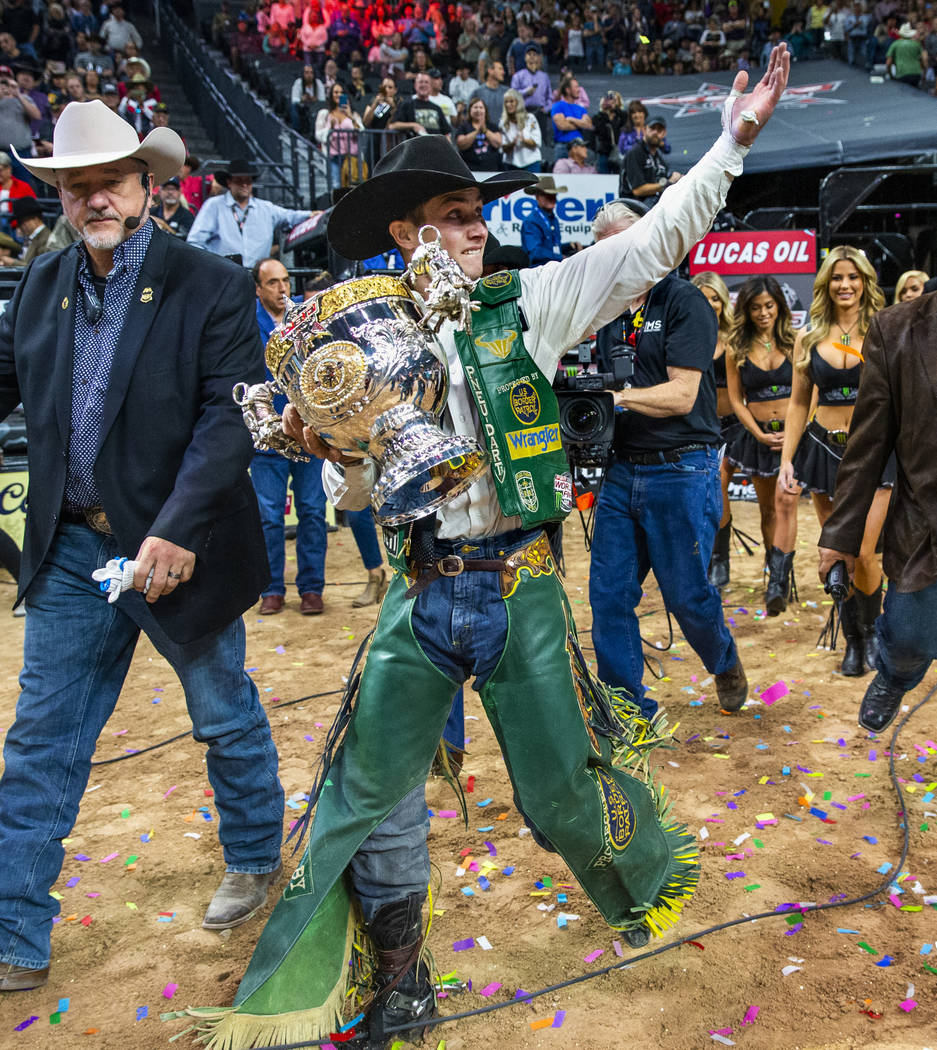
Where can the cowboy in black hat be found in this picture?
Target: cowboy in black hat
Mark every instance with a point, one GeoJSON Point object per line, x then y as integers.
{"type": "Point", "coordinates": [26, 213]}
{"type": "Point", "coordinates": [476, 594]}
{"type": "Point", "coordinates": [237, 223]}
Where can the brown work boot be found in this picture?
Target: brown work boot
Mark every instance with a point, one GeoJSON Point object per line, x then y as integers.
{"type": "Point", "coordinates": [372, 593]}
{"type": "Point", "coordinates": [271, 604]}
{"type": "Point", "coordinates": [732, 687]}
{"type": "Point", "coordinates": [21, 978]}
{"type": "Point", "coordinates": [237, 898]}
{"type": "Point", "coordinates": [311, 604]}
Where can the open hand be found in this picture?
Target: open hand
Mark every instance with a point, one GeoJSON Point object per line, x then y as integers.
{"type": "Point", "coordinates": [745, 115]}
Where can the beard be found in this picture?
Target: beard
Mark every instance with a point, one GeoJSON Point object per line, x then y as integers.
{"type": "Point", "coordinates": [101, 240]}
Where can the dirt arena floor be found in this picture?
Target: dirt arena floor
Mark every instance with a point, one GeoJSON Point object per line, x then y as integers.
{"type": "Point", "coordinates": [790, 801]}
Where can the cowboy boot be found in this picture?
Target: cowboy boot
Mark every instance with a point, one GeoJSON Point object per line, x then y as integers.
{"type": "Point", "coordinates": [870, 605]}
{"type": "Point", "coordinates": [778, 591]}
{"type": "Point", "coordinates": [373, 591]}
{"type": "Point", "coordinates": [719, 563]}
{"type": "Point", "coordinates": [853, 664]}
{"type": "Point", "coordinates": [404, 990]}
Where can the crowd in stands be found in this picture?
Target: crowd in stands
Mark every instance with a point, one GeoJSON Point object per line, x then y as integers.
{"type": "Point", "coordinates": [501, 78]}
{"type": "Point", "coordinates": [73, 52]}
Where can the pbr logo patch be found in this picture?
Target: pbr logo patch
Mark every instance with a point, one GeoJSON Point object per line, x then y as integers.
{"type": "Point", "coordinates": [620, 823]}
{"type": "Point", "coordinates": [301, 881]}
{"type": "Point", "coordinates": [525, 488]}
{"type": "Point", "coordinates": [499, 347]}
{"type": "Point", "coordinates": [525, 404]}
{"type": "Point", "coordinates": [391, 540]}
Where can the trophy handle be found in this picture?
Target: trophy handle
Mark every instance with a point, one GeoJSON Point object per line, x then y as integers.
{"type": "Point", "coordinates": [264, 423]}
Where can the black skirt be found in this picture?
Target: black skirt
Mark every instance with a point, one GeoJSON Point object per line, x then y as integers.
{"type": "Point", "coordinates": [729, 427]}
{"type": "Point", "coordinates": [752, 457]}
{"type": "Point", "coordinates": [817, 459]}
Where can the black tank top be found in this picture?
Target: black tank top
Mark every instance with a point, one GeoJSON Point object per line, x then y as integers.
{"type": "Point", "coordinates": [835, 386]}
{"type": "Point", "coordinates": [762, 385]}
{"type": "Point", "coordinates": [719, 371]}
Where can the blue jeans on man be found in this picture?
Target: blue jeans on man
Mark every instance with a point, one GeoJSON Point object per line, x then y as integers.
{"type": "Point", "coordinates": [662, 517]}
{"type": "Point", "coordinates": [76, 655]}
{"type": "Point", "coordinates": [907, 636]}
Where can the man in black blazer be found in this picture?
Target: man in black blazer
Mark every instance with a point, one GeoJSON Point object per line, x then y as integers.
{"type": "Point", "coordinates": [124, 349]}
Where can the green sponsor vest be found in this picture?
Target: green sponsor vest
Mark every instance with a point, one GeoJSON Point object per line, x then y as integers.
{"type": "Point", "coordinates": [518, 411]}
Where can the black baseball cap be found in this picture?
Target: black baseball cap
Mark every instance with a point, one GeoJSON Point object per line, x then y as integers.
{"type": "Point", "coordinates": [660, 121]}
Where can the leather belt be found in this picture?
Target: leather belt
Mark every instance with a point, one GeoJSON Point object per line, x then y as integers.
{"type": "Point", "coordinates": [533, 556]}
{"type": "Point", "coordinates": [94, 517]}
{"type": "Point", "coordinates": [650, 459]}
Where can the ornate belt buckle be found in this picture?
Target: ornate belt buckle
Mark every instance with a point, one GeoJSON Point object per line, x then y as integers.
{"type": "Point", "coordinates": [96, 519]}
{"type": "Point", "coordinates": [838, 437]}
{"type": "Point", "coordinates": [775, 426]}
{"type": "Point", "coordinates": [451, 565]}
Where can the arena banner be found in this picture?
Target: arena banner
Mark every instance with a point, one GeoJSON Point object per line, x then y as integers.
{"type": "Point", "coordinates": [13, 488]}
{"type": "Point", "coordinates": [575, 208]}
{"type": "Point", "coordinates": [790, 256]}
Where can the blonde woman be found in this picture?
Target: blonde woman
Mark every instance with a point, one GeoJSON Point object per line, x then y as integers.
{"type": "Point", "coordinates": [828, 366]}
{"type": "Point", "coordinates": [714, 288]}
{"type": "Point", "coordinates": [520, 134]}
{"type": "Point", "coordinates": [910, 285]}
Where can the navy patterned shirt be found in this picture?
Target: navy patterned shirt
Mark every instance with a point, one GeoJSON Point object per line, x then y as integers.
{"type": "Point", "coordinates": [94, 352]}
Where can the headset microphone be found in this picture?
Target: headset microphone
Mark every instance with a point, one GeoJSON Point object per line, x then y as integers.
{"type": "Point", "coordinates": [134, 221]}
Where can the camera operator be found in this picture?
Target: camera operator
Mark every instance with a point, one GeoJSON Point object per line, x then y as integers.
{"type": "Point", "coordinates": [660, 504]}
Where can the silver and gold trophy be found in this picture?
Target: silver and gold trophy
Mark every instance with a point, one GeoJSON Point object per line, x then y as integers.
{"type": "Point", "coordinates": [360, 363]}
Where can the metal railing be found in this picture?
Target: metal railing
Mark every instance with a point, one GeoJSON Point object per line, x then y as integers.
{"type": "Point", "coordinates": [351, 154]}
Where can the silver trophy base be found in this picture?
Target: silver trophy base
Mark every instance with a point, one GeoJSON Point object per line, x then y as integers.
{"type": "Point", "coordinates": [422, 480]}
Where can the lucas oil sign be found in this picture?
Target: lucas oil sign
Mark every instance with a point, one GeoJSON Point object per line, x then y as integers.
{"type": "Point", "coordinates": [789, 256]}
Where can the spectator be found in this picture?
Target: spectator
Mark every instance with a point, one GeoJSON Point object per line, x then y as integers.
{"type": "Point", "coordinates": [313, 37]}
{"type": "Point", "coordinates": [478, 139]}
{"type": "Point", "coordinates": [28, 77]}
{"type": "Point", "coordinates": [645, 174]}
{"type": "Point", "coordinates": [336, 131]}
{"type": "Point", "coordinates": [798, 42]}
{"type": "Point", "coordinates": [117, 32]}
{"type": "Point", "coordinates": [817, 15]}
{"type": "Point", "coordinates": [906, 58]}
{"type": "Point", "coordinates": [837, 27]}
{"type": "Point", "coordinates": [381, 110]}
{"type": "Point", "coordinates": [541, 238]}
{"type": "Point", "coordinates": [393, 56]}
{"type": "Point", "coordinates": [515, 55]}
{"type": "Point", "coordinates": [910, 285]}
{"type": "Point", "coordinates": [306, 91]}
{"type": "Point", "coordinates": [344, 31]}
{"type": "Point", "coordinates": [574, 48]}
{"type": "Point", "coordinates": [858, 30]}
{"type": "Point", "coordinates": [470, 45]}
{"type": "Point", "coordinates": [418, 114]}
{"type": "Point", "coordinates": [20, 20]}
{"type": "Point", "coordinates": [282, 14]}
{"type": "Point", "coordinates": [713, 41]}
{"type": "Point", "coordinates": [609, 124]}
{"type": "Point", "coordinates": [463, 85]}
{"type": "Point", "coordinates": [17, 112]}
{"type": "Point", "coordinates": [27, 214]}
{"type": "Point", "coordinates": [382, 22]}
{"type": "Point", "coordinates": [358, 90]}
{"type": "Point", "coordinates": [75, 88]}
{"type": "Point", "coordinates": [576, 161]}
{"type": "Point", "coordinates": [444, 102]}
{"type": "Point", "coordinates": [133, 67]}
{"type": "Point", "coordinates": [110, 96]}
{"type": "Point", "coordinates": [245, 42]}
{"type": "Point", "coordinates": [420, 63]}
{"type": "Point", "coordinates": [11, 188]}
{"type": "Point", "coordinates": [171, 214]}
{"type": "Point", "coordinates": [520, 134]}
{"type": "Point", "coordinates": [56, 35]}
{"type": "Point", "coordinates": [330, 74]}
{"type": "Point", "coordinates": [236, 222]}
{"type": "Point", "coordinates": [275, 41]}
{"type": "Point", "coordinates": [11, 53]}
{"type": "Point", "coordinates": [82, 19]}
{"type": "Point", "coordinates": [222, 24]}
{"type": "Point", "coordinates": [492, 91]}
{"type": "Point", "coordinates": [736, 29]}
{"type": "Point", "coordinates": [570, 118]}
{"type": "Point", "coordinates": [136, 108]}
{"type": "Point", "coordinates": [92, 82]}
{"type": "Point", "coordinates": [534, 87]}
{"type": "Point", "coordinates": [593, 40]}
{"type": "Point", "coordinates": [774, 38]}
{"type": "Point", "coordinates": [191, 184]}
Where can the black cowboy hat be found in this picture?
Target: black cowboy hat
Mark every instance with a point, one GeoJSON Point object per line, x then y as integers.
{"type": "Point", "coordinates": [409, 175]}
{"type": "Point", "coordinates": [25, 208]}
{"type": "Point", "coordinates": [238, 166]}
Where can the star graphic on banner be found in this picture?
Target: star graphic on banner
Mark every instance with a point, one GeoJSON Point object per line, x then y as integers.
{"type": "Point", "coordinates": [708, 98]}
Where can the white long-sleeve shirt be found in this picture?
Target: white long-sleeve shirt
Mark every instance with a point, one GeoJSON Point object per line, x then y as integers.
{"type": "Point", "coordinates": [562, 303]}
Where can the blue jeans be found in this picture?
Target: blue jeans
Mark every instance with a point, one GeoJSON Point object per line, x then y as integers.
{"type": "Point", "coordinates": [361, 523]}
{"type": "Point", "coordinates": [270, 473]}
{"type": "Point", "coordinates": [460, 623]}
{"type": "Point", "coordinates": [662, 517]}
{"type": "Point", "coordinates": [907, 636]}
{"type": "Point", "coordinates": [76, 655]}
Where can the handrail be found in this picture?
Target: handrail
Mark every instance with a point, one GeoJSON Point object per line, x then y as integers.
{"type": "Point", "coordinates": [367, 145]}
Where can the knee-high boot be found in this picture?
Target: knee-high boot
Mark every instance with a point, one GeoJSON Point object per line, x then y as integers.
{"type": "Point", "coordinates": [780, 574]}
{"type": "Point", "coordinates": [404, 986]}
{"type": "Point", "coordinates": [870, 605]}
{"type": "Point", "coordinates": [719, 563]}
{"type": "Point", "coordinates": [853, 664]}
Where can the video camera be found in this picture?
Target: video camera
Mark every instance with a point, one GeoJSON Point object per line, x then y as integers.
{"type": "Point", "coordinates": [587, 406]}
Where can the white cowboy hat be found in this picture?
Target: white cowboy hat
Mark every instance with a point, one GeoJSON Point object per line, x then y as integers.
{"type": "Point", "coordinates": [907, 31]}
{"type": "Point", "coordinates": [89, 133]}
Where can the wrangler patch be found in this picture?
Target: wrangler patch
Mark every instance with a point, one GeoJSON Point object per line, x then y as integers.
{"type": "Point", "coordinates": [534, 441]}
{"type": "Point", "coordinates": [620, 824]}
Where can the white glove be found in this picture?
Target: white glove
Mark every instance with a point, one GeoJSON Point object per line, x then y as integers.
{"type": "Point", "coordinates": [116, 577]}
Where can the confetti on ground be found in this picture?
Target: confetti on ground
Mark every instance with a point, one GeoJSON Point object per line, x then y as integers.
{"type": "Point", "coordinates": [773, 693]}
{"type": "Point", "coordinates": [170, 990]}
{"type": "Point", "coordinates": [461, 946]}
{"type": "Point", "coordinates": [490, 989]}
{"type": "Point", "coordinates": [592, 956]}
{"type": "Point", "coordinates": [23, 1025]}
{"type": "Point", "coordinates": [750, 1014]}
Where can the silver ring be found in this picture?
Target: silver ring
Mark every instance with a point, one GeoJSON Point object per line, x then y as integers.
{"type": "Point", "coordinates": [174, 575]}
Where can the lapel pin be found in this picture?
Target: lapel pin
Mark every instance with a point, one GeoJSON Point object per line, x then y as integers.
{"type": "Point", "coordinates": [146, 296]}
{"type": "Point", "coordinates": [65, 303]}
